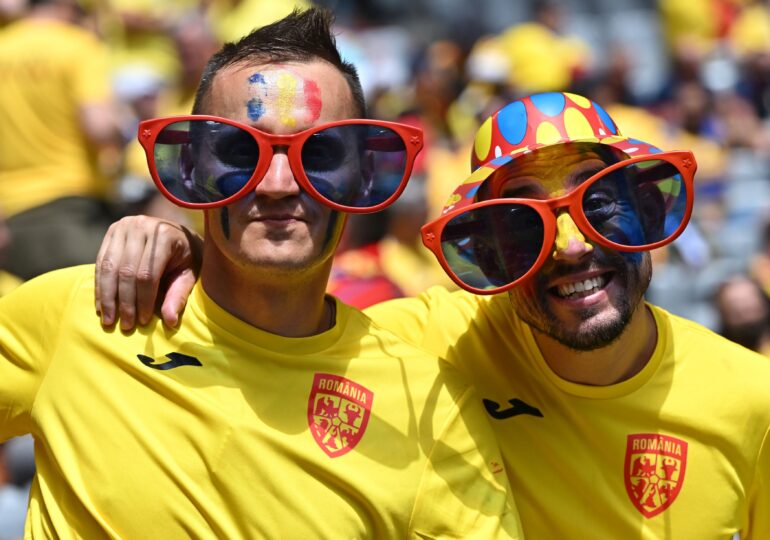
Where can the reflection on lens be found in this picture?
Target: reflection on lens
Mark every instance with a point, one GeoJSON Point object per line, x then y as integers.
{"type": "Point", "coordinates": [203, 161]}
{"type": "Point", "coordinates": [359, 166]}
{"type": "Point", "coordinates": [235, 148]}
{"type": "Point", "coordinates": [323, 152]}
{"type": "Point", "coordinates": [637, 205]}
{"type": "Point", "coordinates": [494, 245]}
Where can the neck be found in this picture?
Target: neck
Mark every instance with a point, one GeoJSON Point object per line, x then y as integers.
{"type": "Point", "coordinates": [287, 305]}
{"type": "Point", "coordinates": [614, 363]}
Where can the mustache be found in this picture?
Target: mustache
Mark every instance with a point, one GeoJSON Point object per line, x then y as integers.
{"type": "Point", "coordinates": [599, 259]}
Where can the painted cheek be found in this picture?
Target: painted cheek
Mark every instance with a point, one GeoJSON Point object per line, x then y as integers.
{"type": "Point", "coordinates": [333, 232]}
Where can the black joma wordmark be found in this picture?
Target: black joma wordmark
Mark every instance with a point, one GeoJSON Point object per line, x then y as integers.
{"type": "Point", "coordinates": [517, 407]}
{"type": "Point", "coordinates": [175, 360]}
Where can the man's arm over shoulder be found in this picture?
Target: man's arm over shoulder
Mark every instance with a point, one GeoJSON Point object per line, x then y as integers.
{"type": "Point", "coordinates": [30, 320]}
{"type": "Point", "coordinates": [433, 321]}
{"type": "Point", "coordinates": [464, 490]}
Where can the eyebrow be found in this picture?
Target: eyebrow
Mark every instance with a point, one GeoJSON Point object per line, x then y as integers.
{"type": "Point", "coordinates": [585, 174]}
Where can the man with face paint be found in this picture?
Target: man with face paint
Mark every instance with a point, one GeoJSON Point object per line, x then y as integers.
{"type": "Point", "coordinates": [272, 410]}
{"type": "Point", "coordinates": [616, 418]}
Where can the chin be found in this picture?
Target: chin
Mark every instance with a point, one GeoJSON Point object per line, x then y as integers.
{"type": "Point", "coordinates": [592, 334]}
{"type": "Point", "coordinates": [590, 330]}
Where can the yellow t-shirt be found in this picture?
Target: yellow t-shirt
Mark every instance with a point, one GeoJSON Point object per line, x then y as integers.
{"type": "Point", "coordinates": [750, 34]}
{"type": "Point", "coordinates": [149, 47]}
{"type": "Point", "coordinates": [680, 451]}
{"type": "Point", "coordinates": [541, 60]}
{"type": "Point", "coordinates": [49, 70]}
{"type": "Point", "coordinates": [8, 282]}
{"type": "Point", "coordinates": [221, 430]}
{"type": "Point", "coordinates": [233, 19]}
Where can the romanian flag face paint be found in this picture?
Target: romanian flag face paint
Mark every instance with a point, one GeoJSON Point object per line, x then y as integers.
{"type": "Point", "coordinates": [283, 94]}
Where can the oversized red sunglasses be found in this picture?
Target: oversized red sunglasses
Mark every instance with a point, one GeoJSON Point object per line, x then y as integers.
{"type": "Point", "coordinates": [634, 205]}
{"type": "Point", "coordinates": [355, 166]}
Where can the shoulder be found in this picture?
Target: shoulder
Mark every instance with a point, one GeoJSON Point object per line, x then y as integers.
{"type": "Point", "coordinates": [414, 361]}
{"type": "Point", "coordinates": [691, 336]}
{"type": "Point", "coordinates": [436, 302]}
{"type": "Point", "coordinates": [695, 347]}
{"type": "Point", "coordinates": [58, 284]}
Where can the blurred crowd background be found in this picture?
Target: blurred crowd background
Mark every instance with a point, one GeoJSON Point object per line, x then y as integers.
{"type": "Point", "coordinates": [78, 75]}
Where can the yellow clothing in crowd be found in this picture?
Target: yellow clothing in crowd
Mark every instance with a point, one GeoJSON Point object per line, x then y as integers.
{"type": "Point", "coordinates": [49, 69]}
{"type": "Point", "coordinates": [233, 19]}
{"type": "Point", "coordinates": [541, 60]}
{"type": "Point", "coordinates": [139, 33]}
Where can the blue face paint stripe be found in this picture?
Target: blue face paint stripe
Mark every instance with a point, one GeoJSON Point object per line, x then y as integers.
{"type": "Point", "coordinates": [224, 221]}
{"type": "Point", "coordinates": [255, 109]}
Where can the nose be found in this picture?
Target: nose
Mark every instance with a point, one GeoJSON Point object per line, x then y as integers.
{"type": "Point", "coordinates": [570, 244]}
{"type": "Point", "coordinates": [279, 181]}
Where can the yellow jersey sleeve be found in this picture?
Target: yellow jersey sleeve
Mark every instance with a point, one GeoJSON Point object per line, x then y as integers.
{"type": "Point", "coordinates": [433, 321]}
{"type": "Point", "coordinates": [26, 346]}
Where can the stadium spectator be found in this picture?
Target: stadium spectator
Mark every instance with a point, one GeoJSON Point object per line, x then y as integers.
{"type": "Point", "coordinates": [273, 410]}
{"type": "Point", "coordinates": [60, 140]}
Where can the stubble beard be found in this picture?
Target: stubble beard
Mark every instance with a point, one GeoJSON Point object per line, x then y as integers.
{"type": "Point", "coordinates": [599, 327]}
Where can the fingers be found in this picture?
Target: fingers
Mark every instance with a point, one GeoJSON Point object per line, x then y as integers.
{"type": "Point", "coordinates": [137, 256]}
{"type": "Point", "coordinates": [178, 291]}
{"type": "Point", "coordinates": [106, 281]}
{"type": "Point", "coordinates": [159, 260]}
{"type": "Point", "coordinates": [134, 274]}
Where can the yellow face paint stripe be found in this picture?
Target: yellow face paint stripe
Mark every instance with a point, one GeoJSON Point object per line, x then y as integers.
{"type": "Point", "coordinates": [287, 91]}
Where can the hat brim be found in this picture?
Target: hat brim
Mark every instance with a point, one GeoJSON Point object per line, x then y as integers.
{"type": "Point", "coordinates": [465, 194]}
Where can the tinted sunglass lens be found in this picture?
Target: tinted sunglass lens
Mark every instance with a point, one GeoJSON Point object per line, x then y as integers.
{"type": "Point", "coordinates": [493, 246]}
{"type": "Point", "coordinates": [203, 161]}
{"type": "Point", "coordinates": [637, 205]}
{"type": "Point", "coordinates": [355, 165]}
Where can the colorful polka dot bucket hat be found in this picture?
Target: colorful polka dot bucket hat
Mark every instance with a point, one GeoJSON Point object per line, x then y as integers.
{"type": "Point", "coordinates": [534, 122]}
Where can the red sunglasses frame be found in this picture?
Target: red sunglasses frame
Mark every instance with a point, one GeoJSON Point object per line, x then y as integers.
{"type": "Point", "coordinates": [683, 161]}
{"type": "Point", "coordinates": [149, 130]}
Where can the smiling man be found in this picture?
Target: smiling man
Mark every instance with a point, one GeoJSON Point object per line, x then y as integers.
{"type": "Point", "coordinates": [273, 410]}
{"type": "Point", "coordinates": [616, 418]}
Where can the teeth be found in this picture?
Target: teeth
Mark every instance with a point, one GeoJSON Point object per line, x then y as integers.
{"type": "Point", "coordinates": [581, 288]}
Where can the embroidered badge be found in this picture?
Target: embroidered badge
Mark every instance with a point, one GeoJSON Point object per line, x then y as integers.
{"type": "Point", "coordinates": [337, 413]}
{"type": "Point", "coordinates": [654, 471]}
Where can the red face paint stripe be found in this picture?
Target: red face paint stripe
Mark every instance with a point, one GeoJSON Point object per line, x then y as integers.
{"type": "Point", "coordinates": [313, 100]}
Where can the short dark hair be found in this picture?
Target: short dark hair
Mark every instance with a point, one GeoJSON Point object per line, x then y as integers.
{"type": "Point", "coordinates": [301, 36]}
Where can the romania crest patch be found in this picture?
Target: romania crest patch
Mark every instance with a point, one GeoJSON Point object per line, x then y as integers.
{"type": "Point", "coordinates": [337, 413]}
{"type": "Point", "coordinates": [654, 471]}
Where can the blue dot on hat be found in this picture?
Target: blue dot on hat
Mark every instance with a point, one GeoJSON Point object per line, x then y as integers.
{"type": "Point", "coordinates": [605, 118]}
{"type": "Point", "coordinates": [512, 122]}
{"type": "Point", "coordinates": [550, 104]}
